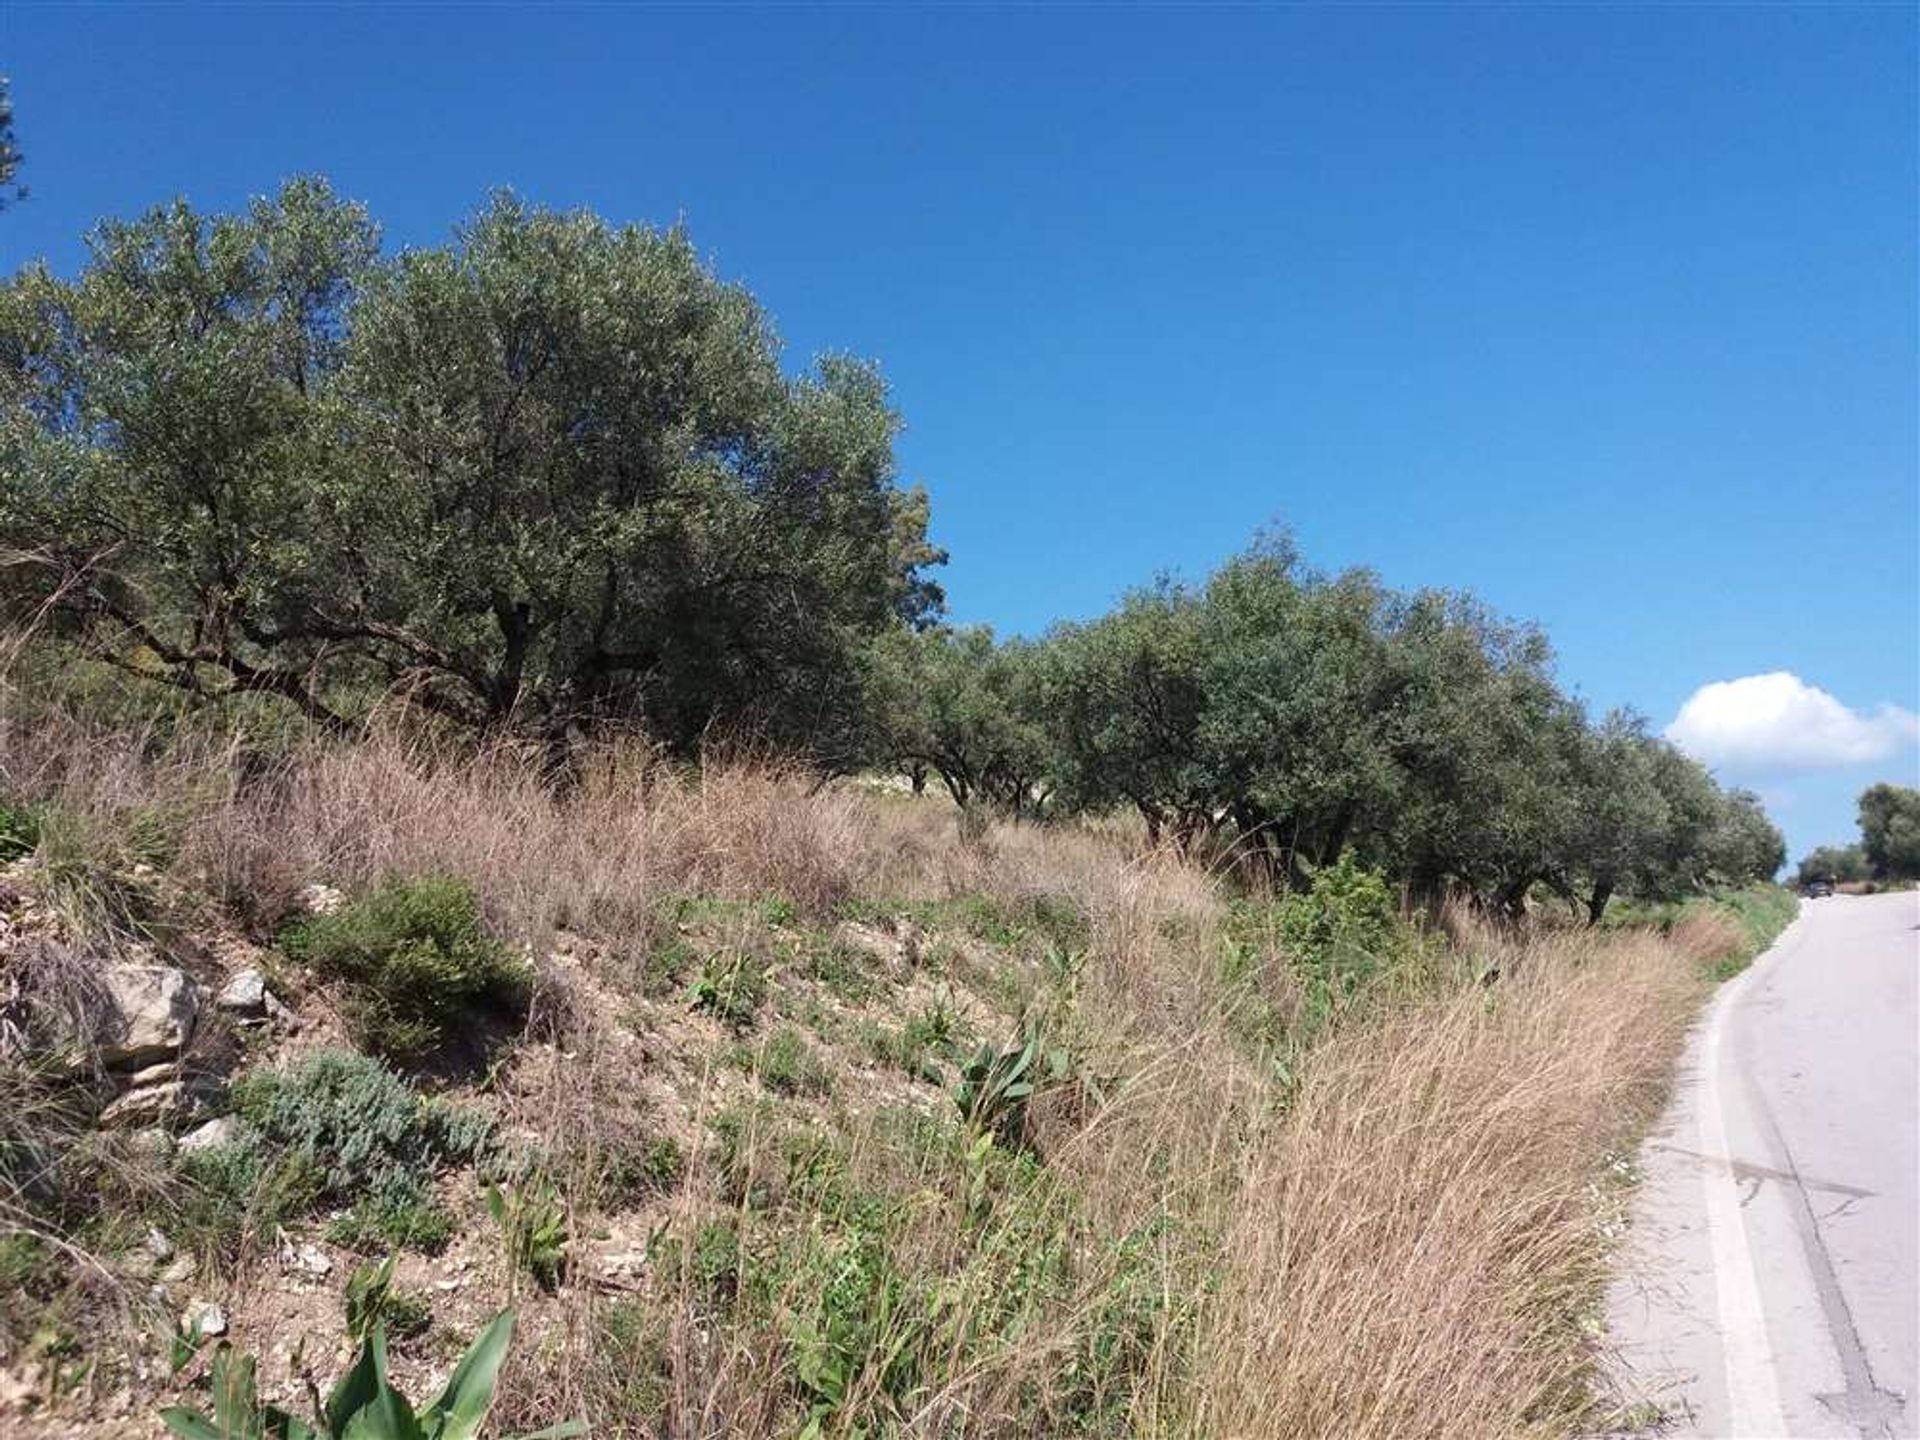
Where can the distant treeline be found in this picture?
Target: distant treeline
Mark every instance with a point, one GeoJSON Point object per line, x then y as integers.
{"type": "Point", "coordinates": [1888, 849]}
{"type": "Point", "coordinates": [552, 479]}
{"type": "Point", "coordinates": [1282, 717]}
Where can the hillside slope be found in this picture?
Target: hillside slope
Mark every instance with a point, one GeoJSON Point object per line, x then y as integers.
{"type": "Point", "coordinates": [777, 1110]}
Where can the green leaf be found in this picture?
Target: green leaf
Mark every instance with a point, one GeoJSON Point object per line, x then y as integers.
{"type": "Point", "coordinates": [189, 1424]}
{"type": "Point", "coordinates": [561, 1431]}
{"type": "Point", "coordinates": [456, 1413]}
{"type": "Point", "coordinates": [388, 1417]}
{"type": "Point", "coordinates": [283, 1426]}
{"type": "Point", "coordinates": [360, 1385]}
{"type": "Point", "coordinates": [236, 1402]}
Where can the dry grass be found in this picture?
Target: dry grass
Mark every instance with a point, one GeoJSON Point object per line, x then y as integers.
{"type": "Point", "coordinates": [1417, 1240]}
{"type": "Point", "coordinates": [1398, 1235]}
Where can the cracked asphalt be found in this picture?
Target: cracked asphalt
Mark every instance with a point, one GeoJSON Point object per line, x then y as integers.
{"type": "Point", "coordinates": [1770, 1285]}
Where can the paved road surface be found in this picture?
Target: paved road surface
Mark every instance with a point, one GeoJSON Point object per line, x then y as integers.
{"type": "Point", "coordinates": [1772, 1281]}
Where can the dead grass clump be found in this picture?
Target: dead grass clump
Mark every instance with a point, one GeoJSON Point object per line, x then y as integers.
{"type": "Point", "coordinates": [1707, 936]}
{"type": "Point", "coordinates": [1415, 1240]}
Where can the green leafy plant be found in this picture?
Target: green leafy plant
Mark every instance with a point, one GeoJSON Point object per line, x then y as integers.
{"type": "Point", "coordinates": [350, 1131]}
{"type": "Point", "coordinates": [372, 1303]}
{"type": "Point", "coordinates": [416, 960]}
{"type": "Point", "coordinates": [19, 831]}
{"type": "Point", "coordinates": [1345, 923]}
{"type": "Point", "coordinates": [363, 1404]}
{"type": "Point", "coordinates": [730, 988]}
{"type": "Point", "coordinates": [533, 1224]}
{"type": "Point", "coordinates": [995, 1086]}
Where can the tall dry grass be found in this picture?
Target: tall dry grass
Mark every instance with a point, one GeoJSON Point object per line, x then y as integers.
{"type": "Point", "coordinates": [1416, 1242]}
{"type": "Point", "coordinates": [1397, 1238]}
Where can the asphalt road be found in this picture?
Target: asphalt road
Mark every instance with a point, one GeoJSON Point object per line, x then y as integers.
{"type": "Point", "coordinates": [1771, 1283]}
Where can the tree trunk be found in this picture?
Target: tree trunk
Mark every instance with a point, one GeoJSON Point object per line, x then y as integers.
{"type": "Point", "coordinates": [1513, 897]}
{"type": "Point", "coordinates": [1597, 902]}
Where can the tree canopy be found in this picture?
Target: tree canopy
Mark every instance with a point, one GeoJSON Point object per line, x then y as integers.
{"type": "Point", "coordinates": [1836, 864]}
{"type": "Point", "coordinates": [547, 475]}
{"type": "Point", "coordinates": [1890, 831]}
{"type": "Point", "coordinates": [1285, 718]}
{"type": "Point", "coordinates": [1889, 844]}
{"type": "Point", "coordinates": [553, 475]}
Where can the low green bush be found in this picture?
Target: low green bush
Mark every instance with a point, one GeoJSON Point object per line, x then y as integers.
{"type": "Point", "coordinates": [363, 1404]}
{"type": "Point", "coordinates": [730, 988]}
{"type": "Point", "coordinates": [19, 831]}
{"type": "Point", "coordinates": [417, 961]}
{"type": "Point", "coordinates": [787, 1065]}
{"type": "Point", "coordinates": [238, 1196]}
{"type": "Point", "coordinates": [338, 1128]}
{"type": "Point", "coordinates": [1345, 925]}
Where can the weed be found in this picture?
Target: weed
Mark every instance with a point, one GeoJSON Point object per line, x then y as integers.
{"type": "Point", "coordinates": [930, 1036]}
{"type": "Point", "coordinates": [372, 1303]}
{"type": "Point", "coordinates": [422, 1225]}
{"type": "Point", "coordinates": [787, 1065]}
{"type": "Point", "coordinates": [667, 966]}
{"type": "Point", "coordinates": [731, 988]}
{"type": "Point", "coordinates": [631, 1364]}
{"type": "Point", "coordinates": [363, 1403]}
{"type": "Point", "coordinates": [842, 971]}
{"type": "Point", "coordinates": [238, 1196]}
{"type": "Point", "coordinates": [533, 1229]}
{"type": "Point", "coordinates": [631, 1173]}
{"type": "Point", "coordinates": [416, 961]}
{"type": "Point", "coordinates": [995, 1086]}
{"type": "Point", "coordinates": [19, 831]}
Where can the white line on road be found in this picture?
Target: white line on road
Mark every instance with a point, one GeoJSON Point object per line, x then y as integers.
{"type": "Point", "coordinates": [1753, 1390]}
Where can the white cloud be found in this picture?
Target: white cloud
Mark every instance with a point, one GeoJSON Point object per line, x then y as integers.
{"type": "Point", "coordinates": [1779, 722]}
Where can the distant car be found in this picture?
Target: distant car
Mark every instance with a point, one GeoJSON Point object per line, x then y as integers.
{"type": "Point", "coordinates": [1819, 889]}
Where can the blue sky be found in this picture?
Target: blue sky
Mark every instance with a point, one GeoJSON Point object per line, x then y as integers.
{"type": "Point", "coordinates": [1608, 313]}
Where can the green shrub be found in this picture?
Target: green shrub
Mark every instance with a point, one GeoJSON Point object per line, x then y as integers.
{"type": "Point", "coordinates": [367, 1137]}
{"type": "Point", "coordinates": [417, 963]}
{"type": "Point", "coordinates": [730, 988]}
{"type": "Point", "coordinates": [421, 1225]}
{"type": "Point", "coordinates": [19, 831]}
{"type": "Point", "coordinates": [1345, 925]}
{"type": "Point", "coordinates": [363, 1404]}
{"type": "Point", "coordinates": [787, 1065]}
{"type": "Point", "coordinates": [238, 1196]}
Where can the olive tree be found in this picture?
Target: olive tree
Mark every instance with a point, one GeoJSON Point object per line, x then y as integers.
{"type": "Point", "coordinates": [1836, 864]}
{"type": "Point", "coordinates": [1890, 831]}
{"type": "Point", "coordinates": [548, 475]}
{"type": "Point", "coordinates": [1124, 698]}
{"type": "Point", "coordinates": [158, 452]}
{"type": "Point", "coordinates": [965, 707]}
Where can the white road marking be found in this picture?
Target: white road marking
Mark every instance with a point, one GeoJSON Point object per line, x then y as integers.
{"type": "Point", "coordinates": [1753, 1390]}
